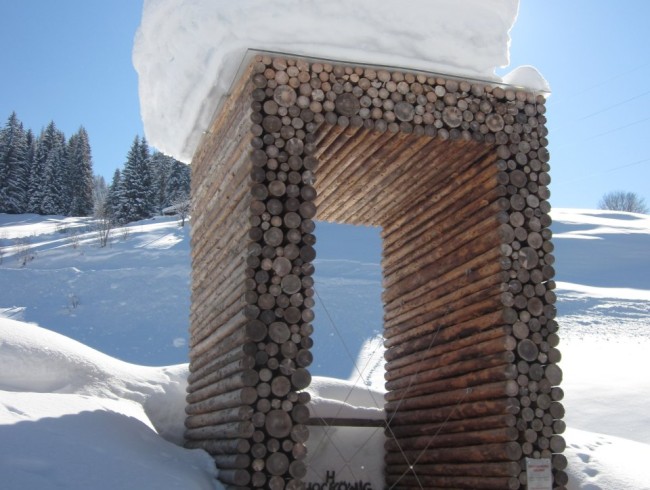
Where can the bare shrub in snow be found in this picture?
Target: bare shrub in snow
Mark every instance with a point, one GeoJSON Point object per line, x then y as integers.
{"type": "Point", "coordinates": [75, 240]}
{"type": "Point", "coordinates": [182, 207]}
{"type": "Point", "coordinates": [24, 251]}
{"type": "Point", "coordinates": [3, 236]}
{"type": "Point", "coordinates": [103, 228]}
{"type": "Point", "coordinates": [73, 302]}
{"type": "Point", "coordinates": [623, 201]}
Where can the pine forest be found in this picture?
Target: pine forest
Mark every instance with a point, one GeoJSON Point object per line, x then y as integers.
{"type": "Point", "coordinates": [50, 174]}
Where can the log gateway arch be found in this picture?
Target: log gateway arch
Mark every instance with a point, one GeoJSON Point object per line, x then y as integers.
{"type": "Point", "coordinates": [455, 172]}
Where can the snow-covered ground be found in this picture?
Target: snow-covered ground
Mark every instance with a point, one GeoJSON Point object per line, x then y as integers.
{"type": "Point", "coordinates": [129, 299]}
{"type": "Point", "coordinates": [72, 417]}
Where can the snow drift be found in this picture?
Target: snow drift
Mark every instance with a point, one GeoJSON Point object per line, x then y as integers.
{"type": "Point", "coordinates": [187, 52]}
{"type": "Point", "coordinates": [71, 417]}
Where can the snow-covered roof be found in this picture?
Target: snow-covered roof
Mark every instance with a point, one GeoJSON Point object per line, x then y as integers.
{"type": "Point", "coordinates": [187, 52]}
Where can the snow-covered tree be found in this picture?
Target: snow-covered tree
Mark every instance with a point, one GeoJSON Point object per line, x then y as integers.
{"type": "Point", "coordinates": [46, 174]}
{"type": "Point", "coordinates": [5, 176]}
{"type": "Point", "coordinates": [171, 180]}
{"type": "Point", "coordinates": [14, 167]}
{"type": "Point", "coordinates": [79, 175]}
{"type": "Point", "coordinates": [31, 142]}
{"type": "Point", "coordinates": [100, 193]}
{"type": "Point", "coordinates": [136, 192]}
{"type": "Point", "coordinates": [52, 150]}
{"type": "Point", "coordinates": [178, 184]}
{"type": "Point", "coordinates": [160, 165]}
{"type": "Point", "coordinates": [36, 181]}
{"type": "Point", "coordinates": [112, 201]}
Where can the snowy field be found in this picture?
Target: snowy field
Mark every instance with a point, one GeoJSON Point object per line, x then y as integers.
{"type": "Point", "coordinates": [129, 299]}
{"type": "Point", "coordinates": [73, 417]}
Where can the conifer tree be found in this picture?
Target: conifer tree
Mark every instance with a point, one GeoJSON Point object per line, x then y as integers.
{"type": "Point", "coordinates": [100, 194]}
{"type": "Point", "coordinates": [136, 193]}
{"type": "Point", "coordinates": [54, 184]}
{"type": "Point", "coordinates": [45, 142]}
{"type": "Point", "coordinates": [5, 174]}
{"type": "Point", "coordinates": [47, 175]}
{"type": "Point", "coordinates": [112, 201]}
{"type": "Point", "coordinates": [14, 170]}
{"type": "Point", "coordinates": [79, 175]}
{"type": "Point", "coordinates": [160, 166]}
{"type": "Point", "coordinates": [178, 184]}
{"type": "Point", "coordinates": [30, 143]}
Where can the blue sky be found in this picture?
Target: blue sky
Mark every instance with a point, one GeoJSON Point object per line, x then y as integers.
{"type": "Point", "coordinates": [70, 61]}
{"type": "Point", "coordinates": [595, 55]}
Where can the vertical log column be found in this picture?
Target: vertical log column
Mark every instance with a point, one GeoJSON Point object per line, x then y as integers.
{"type": "Point", "coordinates": [470, 333]}
{"type": "Point", "coordinates": [279, 275]}
{"type": "Point", "coordinates": [252, 248]}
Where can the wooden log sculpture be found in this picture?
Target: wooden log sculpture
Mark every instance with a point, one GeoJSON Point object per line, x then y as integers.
{"type": "Point", "coordinates": [456, 174]}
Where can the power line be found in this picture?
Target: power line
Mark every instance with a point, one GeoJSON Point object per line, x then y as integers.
{"type": "Point", "coordinates": [638, 162]}
{"type": "Point", "coordinates": [604, 82]}
{"type": "Point", "coordinates": [600, 111]}
{"type": "Point", "coordinates": [638, 96]}
{"type": "Point", "coordinates": [606, 171]}
{"type": "Point", "coordinates": [604, 133]}
{"type": "Point", "coordinates": [625, 126]}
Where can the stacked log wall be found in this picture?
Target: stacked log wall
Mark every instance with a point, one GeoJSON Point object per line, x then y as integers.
{"type": "Point", "coordinates": [219, 384]}
{"type": "Point", "coordinates": [456, 174]}
{"type": "Point", "coordinates": [252, 248]}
